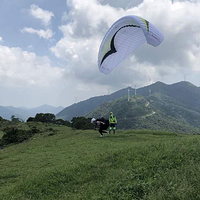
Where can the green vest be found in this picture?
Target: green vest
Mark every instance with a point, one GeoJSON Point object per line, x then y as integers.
{"type": "Point", "coordinates": [112, 119]}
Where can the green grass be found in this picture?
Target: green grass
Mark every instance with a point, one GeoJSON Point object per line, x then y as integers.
{"type": "Point", "coordinates": [75, 164]}
{"type": "Point", "coordinates": [1, 134]}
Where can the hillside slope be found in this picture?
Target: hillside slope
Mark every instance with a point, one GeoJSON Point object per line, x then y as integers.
{"type": "Point", "coordinates": [157, 112]}
{"type": "Point", "coordinates": [183, 92]}
{"type": "Point", "coordinates": [79, 165]}
{"type": "Point", "coordinates": [84, 107]}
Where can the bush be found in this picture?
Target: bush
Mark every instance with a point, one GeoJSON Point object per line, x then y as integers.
{"type": "Point", "coordinates": [34, 130]}
{"type": "Point", "coordinates": [45, 117]}
{"type": "Point", "coordinates": [30, 119]}
{"type": "Point", "coordinates": [48, 118]}
{"type": "Point", "coordinates": [82, 123]}
{"type": "Point", "coordinates": [14, 136]}
{"type": "Point", "coordinates": [62, 122]}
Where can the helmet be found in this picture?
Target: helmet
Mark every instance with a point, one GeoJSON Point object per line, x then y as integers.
{"type": "Point", "coordinates": [92, 120]}
{"type": "Point", "coordinates": [111, 113]}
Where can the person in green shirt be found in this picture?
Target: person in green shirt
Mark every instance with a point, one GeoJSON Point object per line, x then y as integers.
{"type": "Point", "coordinates": [112, 123]}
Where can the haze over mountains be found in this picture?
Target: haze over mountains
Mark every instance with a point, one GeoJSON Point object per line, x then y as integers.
{"type": "Point", "coordinates": [159, 106]}
{"type": "Point", "coordinates": [24, 113]}
{"type": "Point", "coordinates": [183, 92]}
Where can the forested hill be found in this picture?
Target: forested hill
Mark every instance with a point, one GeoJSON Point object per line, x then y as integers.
{"type": "Point", "coordinates": [84, 107]}
{"type": "Point", "coordinates": [157, 112]}
{"type": "Point", "coordinates": [185, 93]}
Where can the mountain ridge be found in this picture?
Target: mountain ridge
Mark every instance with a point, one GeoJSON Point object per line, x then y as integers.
{"type": "Point", "coordinates": [185, 92]}
{"type": "Point", "coordinates": [151, 113]}
{"type": "Point", "coordinates": [24, 113]}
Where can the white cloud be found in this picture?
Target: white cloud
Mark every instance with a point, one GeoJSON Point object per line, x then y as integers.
{"type": "Point", "coordinates": [30, 47]}
{"type": "Point", "coordinates": [84, 26]}
{"type": "Point", "coordinates": [46, 34]}
{"type": "Point", "coordinates": [89, 21]}
{"type": "Point", "coordinates": [1, 39]}
{"type": "Point", "coordinates": [44, 15]}
{"type": "Point", "coordinates": [119, 4]}
{"type": "Point", "coordinates": [22, 69]}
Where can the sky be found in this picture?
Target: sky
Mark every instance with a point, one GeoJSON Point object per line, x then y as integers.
{"type": "Point", "coordinates": [49, 49]}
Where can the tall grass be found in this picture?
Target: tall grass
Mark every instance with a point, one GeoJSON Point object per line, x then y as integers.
{"type": "Point", "coordinates": [1, 134]}
{"type": "Point", "coordinates": [71, 164]}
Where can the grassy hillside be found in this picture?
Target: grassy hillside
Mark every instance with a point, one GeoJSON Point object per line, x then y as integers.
{"type": "Point", "coordinates": [1, 134]}
{"type": "Point", "coordinates": [157, 112]}
{"type": "Point", "coordinates": [183, 92]}
{"type": "Point", "coordinates": [61, 163]}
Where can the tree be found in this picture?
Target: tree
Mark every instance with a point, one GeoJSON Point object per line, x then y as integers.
{"type": "Point", "coordinates": [62, 122]}
{"type": "Point", "coordinates": [30, 119]}
{"type": "Point", "coordinates": [45, 118]}
{"type": "Point", "coordinates": [12, 117]}
{"type": "Point", "coordinates": [1, 119]}
{"type": "Point", "coordinates": [15, 119]}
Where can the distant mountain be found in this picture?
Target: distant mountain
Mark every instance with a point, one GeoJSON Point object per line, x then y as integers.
{"type": "Point", "coordinates": [183, 92]}
{"type": "Point", "coordinates": [7, 113]}
{"type": "Point", "coordinates": [46, 109]}
{"type": "Point", "coordinates": [24, 113]}
{"type": "Point", "coordinates": [84, 107]}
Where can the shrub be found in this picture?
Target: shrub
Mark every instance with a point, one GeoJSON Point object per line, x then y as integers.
{"type": "Point", "coordinates": [15, 135]}
{"type": "Point", "coordinates": [34, 130]}
{"type": "Point", "coordinates": [62, 122]}
{"type": "Point", "coordinates": [82, 123]}
{"type": "Point", "coordinates": [30, 119]}
{"type": "Point", "coordinates": [46, 118]}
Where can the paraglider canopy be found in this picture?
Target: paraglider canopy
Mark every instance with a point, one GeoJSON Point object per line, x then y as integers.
{"type": "Point", "coordinates": [123, 37]}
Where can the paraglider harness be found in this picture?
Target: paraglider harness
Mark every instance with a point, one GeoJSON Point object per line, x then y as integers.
{"type": "Point", "coordinates": [103, 125]}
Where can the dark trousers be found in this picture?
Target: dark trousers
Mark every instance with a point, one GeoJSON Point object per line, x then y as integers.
{"type": "Point", "coordinates": [103, 127]}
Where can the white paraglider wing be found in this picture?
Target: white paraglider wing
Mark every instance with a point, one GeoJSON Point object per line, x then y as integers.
{"type": "Point", "coordinates": [124, 36]}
